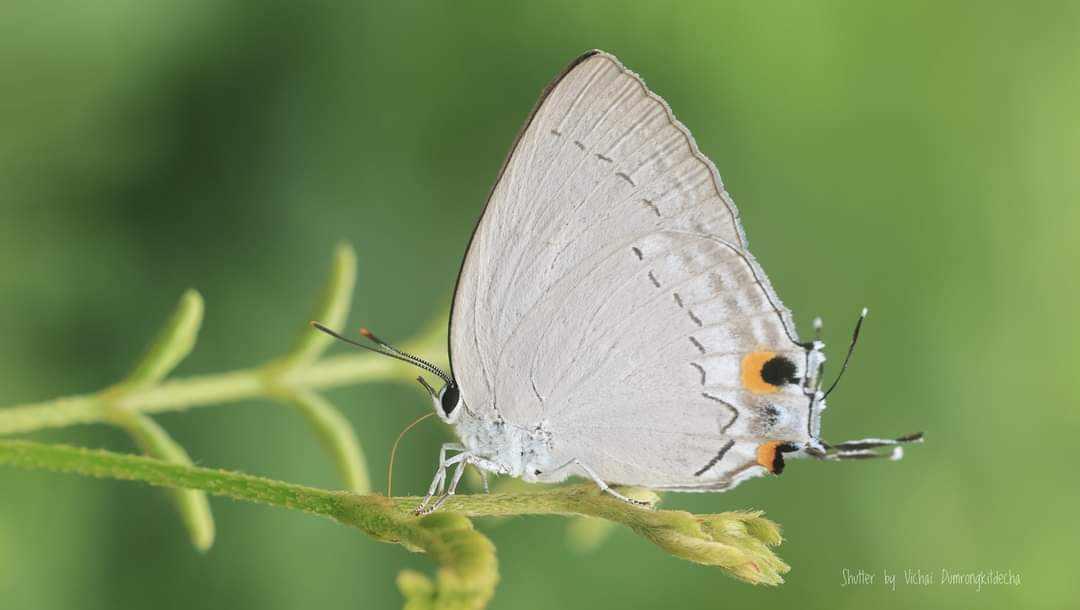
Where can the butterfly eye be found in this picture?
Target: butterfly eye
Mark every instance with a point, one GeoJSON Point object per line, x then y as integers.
{"type": "Point", "coordinates": [449, 399]}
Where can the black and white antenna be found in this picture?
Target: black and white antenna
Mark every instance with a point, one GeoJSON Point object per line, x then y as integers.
{"type": "Point", "coordinates": [851, 350]}
{"type": "Point", "coordinates": [390, 351]}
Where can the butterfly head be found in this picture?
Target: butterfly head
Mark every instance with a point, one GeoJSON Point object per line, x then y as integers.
{"type": "Point", "coordinates": [448, 404]}
{"type": "Point", "coordinates": [447, 401]}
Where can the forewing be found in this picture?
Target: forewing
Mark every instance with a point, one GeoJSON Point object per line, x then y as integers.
{"type": "Point", "coordinates": [600, 161]}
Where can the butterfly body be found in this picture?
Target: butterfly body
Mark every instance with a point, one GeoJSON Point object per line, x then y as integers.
{"type": "Point", "coordinates": [509, 449]}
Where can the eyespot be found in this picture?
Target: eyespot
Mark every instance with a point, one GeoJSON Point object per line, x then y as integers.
{"type": "Point", "coordinates": [449, 399]}
{"type": "Point", "coordinates": [536, 472]}
{"type": "Point", "coordinates": [765, 372]}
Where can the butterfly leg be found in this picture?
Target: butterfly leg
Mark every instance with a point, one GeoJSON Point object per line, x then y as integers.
{"type": "Point", "coordinates": [438, 484]}
{"type": "Point", "coordinates": [460, 461]}
{"type": "Point", "coordinates": [484, 466]}
{"type": "Point", "coordinates": [444, 464]}
{"type": "Point", "coordinates": [864, 448]}
{"type": "Point", "coordinates": [604, 487]}
{"type": "Point", "coordinates": [459, 470]}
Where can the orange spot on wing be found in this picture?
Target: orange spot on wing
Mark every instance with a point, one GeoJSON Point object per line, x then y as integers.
{"type": "Point", "coordinates": [751, 372]}
{"type": "Point", "coordinates": [766, 454]}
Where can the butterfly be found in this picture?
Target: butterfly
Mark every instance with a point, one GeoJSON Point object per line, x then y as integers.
{"type": "Point", "coordinates": [609, 321]}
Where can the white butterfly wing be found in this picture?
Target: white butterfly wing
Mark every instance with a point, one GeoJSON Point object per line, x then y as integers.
{"type": "Point", "coordinates": [607, 292]}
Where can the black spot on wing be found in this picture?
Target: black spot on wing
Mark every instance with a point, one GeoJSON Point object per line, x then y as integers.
{"type": "Point", "coordinates": [778, 457]}
{"type": "Point", "coordinates": [779, 371]}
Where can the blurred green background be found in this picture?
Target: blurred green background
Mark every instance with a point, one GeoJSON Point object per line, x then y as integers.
{"type": "Point", "coordinates": [918, 158]}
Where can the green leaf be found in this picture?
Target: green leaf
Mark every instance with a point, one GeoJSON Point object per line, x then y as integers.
{"type": "Point", "coordinates": [337, 436]}
{"type": "Point", "coordinates": [193, 506]}
{"type": "Point", "coordinates": [173, 343]}
{"type": "Point", "coordinates": [331, 308]}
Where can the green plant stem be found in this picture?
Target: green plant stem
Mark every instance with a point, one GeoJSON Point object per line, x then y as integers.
{"type": "Point", "coordinates": [735, 541]}
{"type": "Point", "coordinates": [338, 504]}
{"type": "Point", "coordinates": [108, 464]}
{"type": "Point", "coordinates": [206, 390]}
{"type": "Point", "coordinates": [192, 504]}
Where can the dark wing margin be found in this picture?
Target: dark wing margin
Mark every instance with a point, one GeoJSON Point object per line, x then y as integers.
{"type": "Point", "coordinates": [498, 178]}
